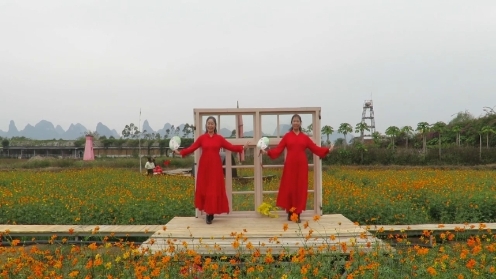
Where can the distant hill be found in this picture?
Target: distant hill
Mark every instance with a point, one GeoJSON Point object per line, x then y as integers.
{"type": "Point", "coordinates": [45, 130]}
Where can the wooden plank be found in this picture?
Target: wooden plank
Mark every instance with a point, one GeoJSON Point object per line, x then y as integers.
{"type": "Point", "coordinates": [265, 233]}
{"type": "Point", "coordinates": [114, 229]}
{"type": "Point", "coordinates": [106, 228]}
{"type": "Point", "coordinates": [267, 241]}
{"type": "Point", "coordinates": [152, 228]}
{"type": "Point", "coordinates": [226, 246]}
{"type": "Point", "coordinates": [418, 229]}
{"type": "Point", "coordinates": [226, 222]}
{"type": "Point", "coordinates": [262, 111]}
{"type": "Point", "coordinates": [78, 230]}
{"type": "Point", "coordinates": [136, 229]}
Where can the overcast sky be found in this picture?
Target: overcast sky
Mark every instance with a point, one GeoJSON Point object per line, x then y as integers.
{"type": "Point", "coordinates": [101, 61]}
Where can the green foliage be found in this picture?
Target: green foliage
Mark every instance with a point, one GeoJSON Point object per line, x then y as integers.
{"type": "Point", "coordinates": [107, 142]}
{"type": "Point", "coordinates": [130, 131]}
{"type": "Point", "coordinates": [93, 134]}
{"type": "Point", "coordinates": [462, 117]}
{"type": "Point", "coordinates": [327, 131]}
{"type": "Point", "coordinates": [456, 143]}
{"type": "Point", "coordinates": [79, 142]}
{"type": "Point", "coordinates": [451, 155]}
{"type": "Point", "coordinates": [345, 128]}
{"type": "Point", "coordinates": [5, 143]}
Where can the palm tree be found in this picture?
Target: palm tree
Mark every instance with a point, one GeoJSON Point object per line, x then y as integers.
{"type": "Point", "coordinates": [309, 130]}
{"type": "Point", "coordinates": [439, 128]}
{"type": "Point", "coordinates": [344, 129]}
{"type": "Point", "coordinates": [457, 129]}
{"type": "Point", "coordinates": [362, 148]}
{"type": "Point", "coordinates": [376, 137]}
{"type": "Point", "coordinates": [487, 130]}
{"type": "Point", "coordinates": [327, 130]}
{"type": "Point", "coordinates": [480, 145]}
{"type": "Point", "coordinates": [407, 130]}
{"type": "Point", "coordinates": [393, 132]}
{"type": "Point", "coordinates": [360, 128]}
{"type": "Point", "coordinates": [423, 127]}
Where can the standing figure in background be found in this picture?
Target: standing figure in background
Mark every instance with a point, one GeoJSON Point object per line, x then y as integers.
{"type": "Point", "coordinates": [210, 194]}
{"type": "Point", "coordinates": [293, 190]}
{"type": "Point", "coordinates": [149, 166]}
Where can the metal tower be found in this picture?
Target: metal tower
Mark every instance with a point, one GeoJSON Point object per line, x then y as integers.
{"type": "Point", "coordinates": [368, 105]}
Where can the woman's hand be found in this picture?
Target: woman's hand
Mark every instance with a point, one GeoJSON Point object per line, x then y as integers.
{"type": "Point", "coordinates": [177, 152]}
{"type": "Point", "coordinates": [246, 145]}
{"type": "Point", "coordinates": [331, 147]}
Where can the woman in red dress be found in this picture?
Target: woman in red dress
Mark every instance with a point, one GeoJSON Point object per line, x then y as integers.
{"type": "Point", "coordinates": [210, 193]}
{"type": "Point", "coordinates": [293, 189]}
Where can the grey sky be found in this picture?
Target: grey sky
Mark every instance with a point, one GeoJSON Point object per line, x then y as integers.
{"type": "Point", "coordinates": [420, 60]}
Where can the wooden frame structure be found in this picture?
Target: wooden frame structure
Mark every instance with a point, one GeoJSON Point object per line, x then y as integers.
{"type": "Point", "coordinates": [258, 191]}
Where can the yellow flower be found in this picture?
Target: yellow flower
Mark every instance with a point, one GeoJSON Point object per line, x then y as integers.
{"type": "Point", "coordinates": [265, 209]}
{"type": "Point", "coordinates": [126, 255]}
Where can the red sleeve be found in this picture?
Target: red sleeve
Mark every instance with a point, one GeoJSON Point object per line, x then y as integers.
{"type": "Point", "coordinates": [192, 147]}
{"type": "Point", "coordinates": [317, 150]}
{"type": "Point", "coordinates": [275, 152]}
{"type": "Point", "coordinates": [227, 145]}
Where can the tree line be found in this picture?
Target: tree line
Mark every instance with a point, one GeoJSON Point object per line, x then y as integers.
{"type": "Point", "coordinates": [463, 140]}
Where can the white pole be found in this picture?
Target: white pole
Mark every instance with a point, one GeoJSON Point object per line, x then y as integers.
{"type": "Point", "coordinates": [139, 139]}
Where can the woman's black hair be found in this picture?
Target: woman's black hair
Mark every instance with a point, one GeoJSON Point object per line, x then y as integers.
{"type": "Point", "coordinates": [293, 117]}
{"type": "Point", "coordinates": [215, 122]}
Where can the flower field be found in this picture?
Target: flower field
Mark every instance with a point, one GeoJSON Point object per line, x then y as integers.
{"type": "Point", "coordinates": [411, 196]}
{"type": "Point", "coordinates": [367, 196]}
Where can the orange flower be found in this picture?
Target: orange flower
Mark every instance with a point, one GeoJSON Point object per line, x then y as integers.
{"type": "Point", "coordinates": [432, 271]}
{"type": "Point", "coordinates": [93, 246]}
{"type": "Point", "coordinates": [471, 264]}
{"type": "Point", "coordinates": [285, 227]}
{"type": "Point", "coordinates": [294, 217]}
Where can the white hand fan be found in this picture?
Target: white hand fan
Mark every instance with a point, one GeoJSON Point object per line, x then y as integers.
{"type": "Point", "coordinates": [174, 143]}
{"type": "Point", "coordinates": [263, 143]}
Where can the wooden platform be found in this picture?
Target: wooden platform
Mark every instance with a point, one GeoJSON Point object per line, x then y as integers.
{"type": "Point", "coordinates": [434, 228]}
{"type": "Point", "coordinates": [182, 172]}
{"type": "Point", "coordinates": [81, 230]}
{"type": "Point", "coordinates": [229, 236]}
